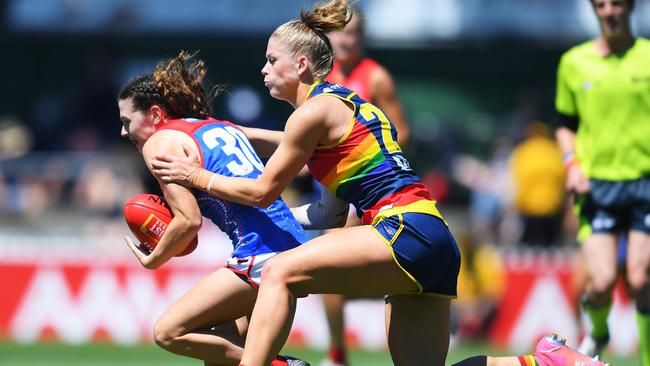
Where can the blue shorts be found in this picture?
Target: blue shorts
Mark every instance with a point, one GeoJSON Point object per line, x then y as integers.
{"type": "Point", "coordinates": [424, 248]}
{"type": "Point", "coordinates": [614, 207]}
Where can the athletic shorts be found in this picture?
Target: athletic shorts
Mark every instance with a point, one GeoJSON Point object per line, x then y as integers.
{"type": "Point", "coordinates": [613, 207]}
{"type": "Point", "coordinates": [249, 269]}
{"type": "Point", "coordinates": [424, 248]}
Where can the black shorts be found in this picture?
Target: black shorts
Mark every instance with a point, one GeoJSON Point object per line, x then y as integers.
{"type": "Point", "coordinates": [612, 207]}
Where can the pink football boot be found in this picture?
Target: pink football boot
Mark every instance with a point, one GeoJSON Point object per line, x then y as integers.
{"type": "Point", "coordinates": [552, 351]}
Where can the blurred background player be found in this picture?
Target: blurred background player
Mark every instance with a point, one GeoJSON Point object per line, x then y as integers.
{"type": "Point", "coordinates": [160, 111]}
{"type": "Point", "coordinates": [538, 177]}
{"type": "Point", "coordinates": [603, 95]}
{"type": "Point", "coordinates": [373, 83]}
{"type": "Point", "coordinates": [365, 76]}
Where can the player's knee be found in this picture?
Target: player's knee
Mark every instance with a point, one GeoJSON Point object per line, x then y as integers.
{"type": "Point", "coordinates": [638, 281]}
{"type": "Point", "coordinates": [275, 272]}
{"type": "Point", "coordinates": [163, 336]}
{"type": "Point", "coordinates": [603, 282]}
{"type": "Point", "coordinates": [279, 272]}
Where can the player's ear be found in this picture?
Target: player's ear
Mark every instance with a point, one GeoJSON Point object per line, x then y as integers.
{"type": "Point", "coordinates": [157, 114]}
{"type": "Point", "coordinates": [302, 64]}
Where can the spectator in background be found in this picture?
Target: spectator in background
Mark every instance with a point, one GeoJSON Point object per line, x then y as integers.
{"type": "Point", "coordinates": [102, 186]}
{"type": "Point", "coordinates": [16, 139]}
{"type": "Point", "coordinates": [603, 95]}
{"type": "Point", "coordinates": [538, 176]}
{"type": "Point", "coordinates": [375, 84]}
{"type": "Point", "coordinates": [364, 75]}
{"type": "Point", "coordinates": [491, 216]}
{"type": "Point", "coordinates": [24, 190]}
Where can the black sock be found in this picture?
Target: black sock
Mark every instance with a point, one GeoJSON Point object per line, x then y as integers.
{"type": "Point", "coordinates": [473, 361]}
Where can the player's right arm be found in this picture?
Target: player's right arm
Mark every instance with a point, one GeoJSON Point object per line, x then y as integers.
{"type": "Point", "coordinates": [186, 222]}
{"type": "Point", "coordinates": [565, 135]}
{"type": "Point", "coordinates": [576, 182]}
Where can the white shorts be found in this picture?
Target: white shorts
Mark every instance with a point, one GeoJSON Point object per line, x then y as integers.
{"type": "Point", "coordinates": [249, 268]}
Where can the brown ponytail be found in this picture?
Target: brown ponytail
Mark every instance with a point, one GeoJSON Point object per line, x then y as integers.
{"type": "Point", "coordinates": [176, 85]}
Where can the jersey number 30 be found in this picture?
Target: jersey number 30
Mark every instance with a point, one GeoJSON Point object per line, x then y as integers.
{"type": "Point", "coordinates": [233, 143]}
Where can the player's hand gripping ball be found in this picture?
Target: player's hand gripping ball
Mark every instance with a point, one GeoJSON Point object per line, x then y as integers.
{"type": "Point", "coordinates": [148, 216]}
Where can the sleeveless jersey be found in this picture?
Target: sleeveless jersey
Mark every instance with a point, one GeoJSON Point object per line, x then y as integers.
{"type": "Point", "coordinates": [224, 149]}
{"type": "Point", "coordinates": [358, 79]}
{"type": "Point", "coordinates": [366, 166]}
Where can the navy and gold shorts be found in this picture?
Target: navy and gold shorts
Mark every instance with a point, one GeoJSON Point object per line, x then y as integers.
{"type": "Point", "coordinates": [424, 248]}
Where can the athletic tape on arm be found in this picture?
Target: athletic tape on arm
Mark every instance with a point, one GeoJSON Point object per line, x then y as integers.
{"type": "Point", "coordinates": [326, 213]}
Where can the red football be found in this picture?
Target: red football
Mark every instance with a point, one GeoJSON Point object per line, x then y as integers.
{"type": "Point", "coordinates": [148, 216]}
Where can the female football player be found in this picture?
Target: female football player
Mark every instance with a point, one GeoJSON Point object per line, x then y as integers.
{"type": "Point", "coordinates": [160, 111]}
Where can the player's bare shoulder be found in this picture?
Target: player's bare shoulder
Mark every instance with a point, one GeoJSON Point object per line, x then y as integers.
{"type": "Point", "coordinates": [328, 114]}
{"type": "Point", "coordinates": [166, 142]}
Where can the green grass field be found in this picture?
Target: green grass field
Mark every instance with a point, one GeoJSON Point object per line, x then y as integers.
{"type": "Point", "coordinates": [51, 354]}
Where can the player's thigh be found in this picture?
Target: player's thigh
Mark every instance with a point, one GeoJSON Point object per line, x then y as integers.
{"type": "Point", "coordinates": [599, 251]}
{"type": "Point", "coordinates": [217, 298]}
{"type": "Point", "coordinates": [418, 329]}
{"type": "Point", "coordinates": [346, 261]}
{"type": "Point", "coordinates": [638, 257]}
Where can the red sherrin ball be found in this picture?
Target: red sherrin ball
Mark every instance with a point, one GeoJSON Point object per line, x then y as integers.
{"type": "Point", "coordinates": [148, 216]}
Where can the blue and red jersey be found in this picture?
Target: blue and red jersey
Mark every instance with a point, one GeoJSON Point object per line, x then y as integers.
{"type": "Point", "coordinates": [225, 150]}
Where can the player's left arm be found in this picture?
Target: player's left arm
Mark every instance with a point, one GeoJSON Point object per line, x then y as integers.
{"type": "Point", "coordinates": [263, 141]}
{"type": "Point", "coordinates": [384, 96]}
{"type": "Point", "coordinates": [187, 217]}
{"type": "Point", "coordinates": [303, 131]}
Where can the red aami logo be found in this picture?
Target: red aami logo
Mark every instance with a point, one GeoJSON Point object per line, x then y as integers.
{"type": "Point", "coordinates": [153, 227]}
